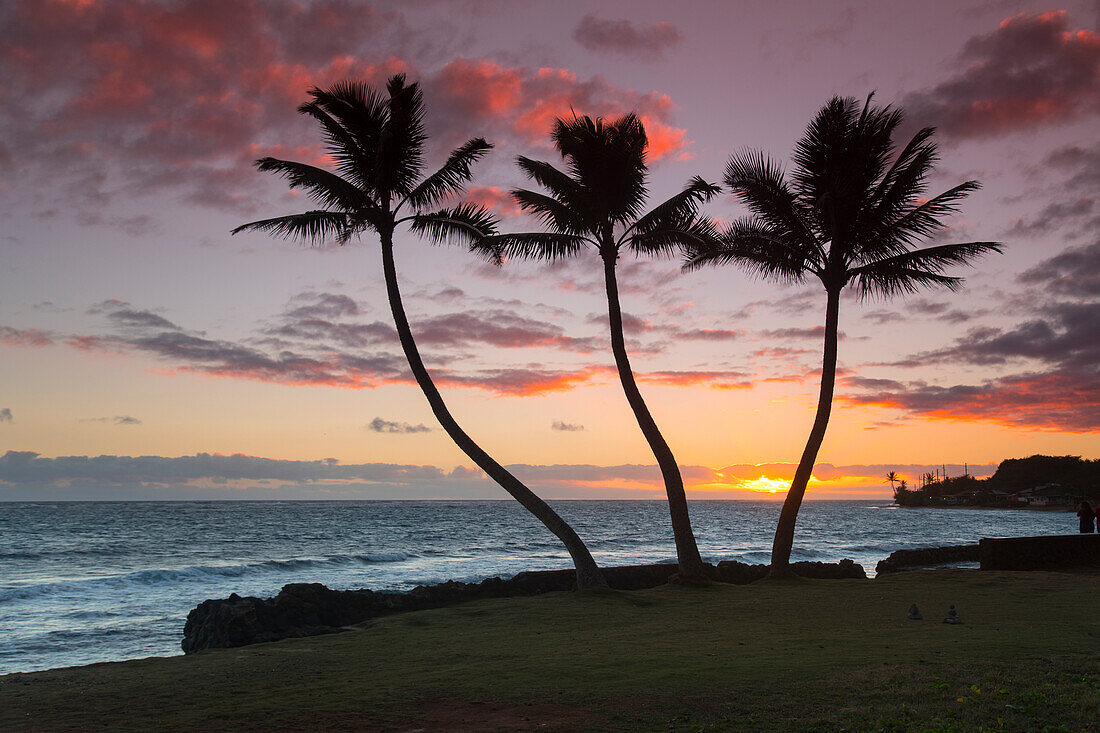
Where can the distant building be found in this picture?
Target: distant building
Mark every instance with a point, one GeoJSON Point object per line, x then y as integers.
{"type": "Point", "coordinates": [1045, 495]}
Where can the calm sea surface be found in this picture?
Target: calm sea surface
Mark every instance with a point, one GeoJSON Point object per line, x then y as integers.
{"type": "Point", "coordinates": [105, 581]}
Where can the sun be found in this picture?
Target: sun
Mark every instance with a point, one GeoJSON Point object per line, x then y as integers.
{"type": "Point", "coordinates": [765, 485]}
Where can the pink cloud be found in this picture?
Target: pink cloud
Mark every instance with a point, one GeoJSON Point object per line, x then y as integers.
{"type": "Point", "coordinates": [494, 198]}
{"type": "Point", "coordinates": [1059, 401]}
{"type": "Point", "coordinates": [1032, 70]}
{"type": "Point", "coordinates": [523, 102]}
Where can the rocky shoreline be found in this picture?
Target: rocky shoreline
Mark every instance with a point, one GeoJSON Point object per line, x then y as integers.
{"type": "Point", "coordinates": [310, 609]}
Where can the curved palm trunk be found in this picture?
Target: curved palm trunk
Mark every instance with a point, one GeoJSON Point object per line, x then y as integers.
{"type": "Point", "coordinates": [687, 552]}
{"type": "Point", "coordinates": [784, 531]}
{"type": "Point", "coordinates": [588, 574]}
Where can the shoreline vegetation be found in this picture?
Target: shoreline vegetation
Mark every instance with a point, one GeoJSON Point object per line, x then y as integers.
{"type": "Point", "coordinates": [1037, 482]}
{"type": "Point", "coordinates": [744, 657]}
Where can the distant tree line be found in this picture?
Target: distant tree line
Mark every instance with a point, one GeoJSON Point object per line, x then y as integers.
{"type": "Point", "coordinates": [1066, 478]}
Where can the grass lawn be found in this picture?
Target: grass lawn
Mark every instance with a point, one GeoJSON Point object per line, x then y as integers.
{"type": "Point", "coordinates": [798, 655]}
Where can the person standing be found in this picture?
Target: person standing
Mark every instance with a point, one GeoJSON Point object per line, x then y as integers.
{"type": "Point", "coordinates": [1087, 517]}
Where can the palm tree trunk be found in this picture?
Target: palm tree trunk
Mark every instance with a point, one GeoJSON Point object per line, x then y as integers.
{"type": "Point", "coordinates": [687, 552]}
{"type": "Point", "coordinates": [588, 574]}
{"type": "Point", "coordinates": [784, 531]}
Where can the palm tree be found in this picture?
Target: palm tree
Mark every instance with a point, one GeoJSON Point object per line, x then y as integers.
{"type": "Point", "coordinates": [376, 142]}
{"type": "Point", "coordinates": [849, 216]}
{"type": "Point", "coordinates": [598, 203]}
{"type": "Point", "coordinates": [892, 478]}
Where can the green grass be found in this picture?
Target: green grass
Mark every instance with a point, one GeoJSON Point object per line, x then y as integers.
{"type": "Point", "coordinates": [799, 655]}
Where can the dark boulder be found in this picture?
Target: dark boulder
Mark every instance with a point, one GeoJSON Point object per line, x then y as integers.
{"type": "Point", "coordinates": [829, 571]}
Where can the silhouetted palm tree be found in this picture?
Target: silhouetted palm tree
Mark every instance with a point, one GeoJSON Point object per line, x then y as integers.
{"type": "Point", "coordinates": [892, 478]}
{"type": "Point", "coordinates": [376, 142]}
{"type": "Point", "coordinates": [849, 215]}
{"type": "Point", "coordinates": [598, 203]}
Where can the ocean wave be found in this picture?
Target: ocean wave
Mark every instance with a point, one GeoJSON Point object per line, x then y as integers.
{"type": "Point", "coordinates": [71, 552]}
{"type": "Point", "coordinates": [196, 573]}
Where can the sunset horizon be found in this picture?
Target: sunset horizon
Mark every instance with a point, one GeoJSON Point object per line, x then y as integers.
{"type": "Point", "coordinates": [149, 355]}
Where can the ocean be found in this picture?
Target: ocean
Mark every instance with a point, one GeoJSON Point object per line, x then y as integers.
{"type": "Point", "coordinates": [84, 582]}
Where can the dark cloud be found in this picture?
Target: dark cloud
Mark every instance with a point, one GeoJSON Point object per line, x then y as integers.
{"type": "Point", "coordinates": [1033, 69]}
{"type": "Point", "coordinates": [116, 420]}
{"type": "Point", "coordinates": [322, 305]}
{"type": "Point", "coordinates": [378, 425]}
{"type": "Point", "coordinates": [935, 309]}
{"type": "Point", "coordinates": [669, 332]}
{"type": "Point", "coordinates": [26, 337]}
{"type": "Point", "coordinates": [499, 328]}
{"type": "Point", "coordinates": [566, 427]}
{"type": "Point", "coordinates": [783, 353]}
{"type": "Point", "coordinates": [794, 334]}
{"type": "Point", "coordinates": [312, 320]}
{"type": "Point", "coordinates": [1066, 396]}
{"type": "Point", "coordinates": [5, 414]}
{"type": "Point", "coordinates": [1059, 400]}
{"type": "Point", "coordinates": [711, 378]}
{"type": "Point", "coordinates": [1082, 165]}
{"type": "Point", "coordinates": [182, 90]}
{"type": "Point", "coordinates": [622, 36]}
{"type": "Point", "coordinates": [29, 467]}
{"type": "Point", "coordinates": [1067, 336]}
{"type": "Point", "coordinates": [111, 100]}
{"type": "Point", "coordinates": [1056, 216]}
{"type": "Point", "coordinates": [1074, 272]}
{"type": "Point", "coordinates": [123, 315]}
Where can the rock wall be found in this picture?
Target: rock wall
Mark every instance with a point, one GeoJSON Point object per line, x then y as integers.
{"type": "Point", "coordinates": [925, 557]}
{"type": "Point", "coordinates": [1050, 552]}
{"type": "Point", "coordinates": [309, 609]}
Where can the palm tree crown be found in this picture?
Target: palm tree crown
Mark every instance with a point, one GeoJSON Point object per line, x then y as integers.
{"type": "Point", "coordinates": [598, 202]}
{"type": "Point", "coordinates": [377, 144]}
{"type": "Point", "coordinates": [849, 215]}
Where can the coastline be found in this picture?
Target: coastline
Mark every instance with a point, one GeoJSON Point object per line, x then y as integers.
{"type": "Point", "coordinates": [663, 658]}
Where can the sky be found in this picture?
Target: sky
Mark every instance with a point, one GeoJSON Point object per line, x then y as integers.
{"type": "Point", "coordinates": [145, 353]}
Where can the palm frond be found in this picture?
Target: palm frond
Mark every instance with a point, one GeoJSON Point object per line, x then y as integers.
{"type": "Point", "coordinates": [759, 182]}
{"type": "Point", "coordinates": [679, 209]}
{"type": "Point", "coordinates": [756, 246]}
{"type": "Point", "coordinates": [362, 113]}
{"type": "Point", "coordinates": [538, 246]}
{"type": "Point", "coordinates": [466, 223]}
{"type": "Point", "coordinates": [344, 148]}
{"type": "Point", "coordinates": [314, 226]}
{"type": "Point", "coordinates": [324, 187]}
{"type": "Point", "coordinates": [664, 241]}
{"type": "Point", "coordinates": [400, 147]}
{"type": "Point", "coordinates": [911, 271]}
{"type": "Point", "coordinates": [452, 177]}
{"type": "Point", "coordinates": [559, 184]}
{"type": "Point", "coordinates": [923, 220]}
{"type": "Point", "coordinates": [552, 212]}
{"type": "Point", "coordinates": [911, 164]}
